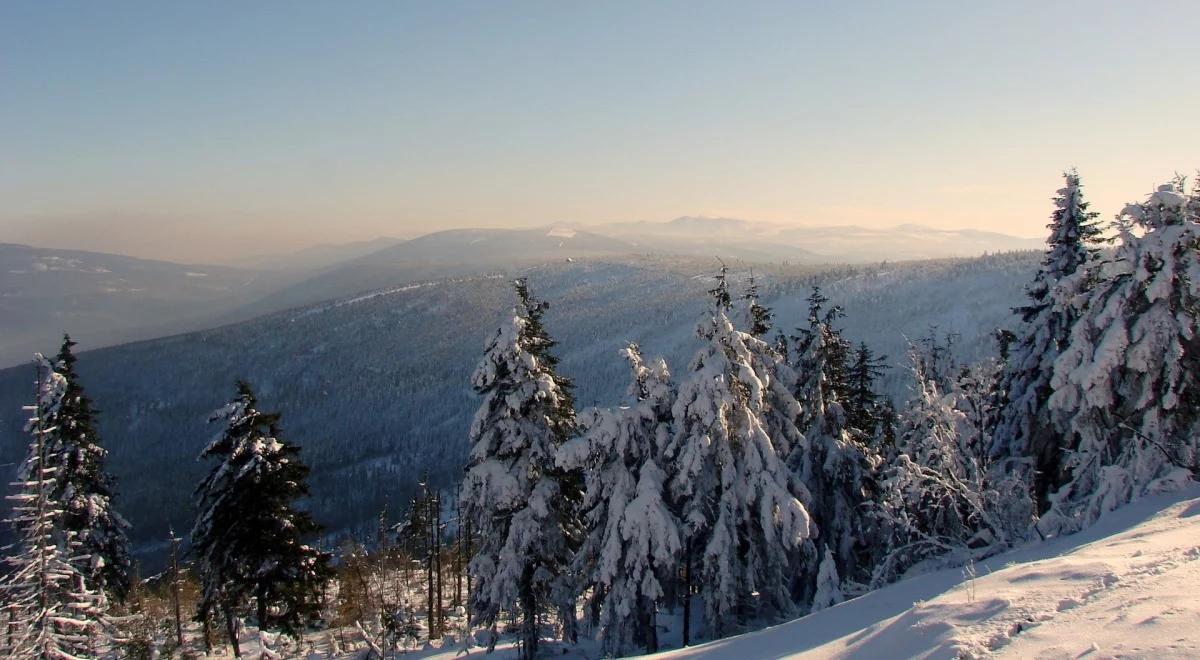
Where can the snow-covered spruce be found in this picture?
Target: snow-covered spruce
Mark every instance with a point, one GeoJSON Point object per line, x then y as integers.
{"type": "Point", "coordinates": [939, 499]}
{"type": "Point", "coordinates": [758, 315]}
{"type": "Point", "coordinates": [829, 585]}
{"type": "Point", "coordinates": [51, 611]}
{"type": "Point", "coordinates": [780, 410]}
{"type": "Point", "coordinates": [1126, 388]}
{"type": "Point", "coordinates": [834, 463]}
{"type": "Point", "coordinates": [1026, 430]}
{"type": "Point", "coordinates": [83, 486]}
{"type": "Point", "coordinates": [523, 506]}
{"type": "Point", "coordinates": [740, 511]}
{"type": "Point", "coordinates": [632, 545]}
{"type": "Point", "coordinates": [248, 538]}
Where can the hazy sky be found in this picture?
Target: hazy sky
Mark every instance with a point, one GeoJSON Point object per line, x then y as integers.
{"type": "Point", "coordinates": [203, 130]}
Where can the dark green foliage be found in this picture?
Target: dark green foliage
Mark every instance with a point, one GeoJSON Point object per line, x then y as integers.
{"type": "Point", "coordinates": [1025, 430]}
{"type": "Point", "coordinates": [84, 487]}
{"type": "Point", "coordinates": [249, 537]}
{"type": "Point", "coordinates": [720, 292]}
{"type": "Point", "coordinates": [760, 316]}
{"type": "Point", "coordinates": [864, 406]}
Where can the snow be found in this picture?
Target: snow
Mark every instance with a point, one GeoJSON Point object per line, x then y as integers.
{"type": "Point", "coordinates": [1124, 587]}
{"type": "Point", "coordinates": [318, 309]}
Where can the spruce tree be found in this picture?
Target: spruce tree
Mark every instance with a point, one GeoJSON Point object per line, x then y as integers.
{"type": "Point", "coordinates": [939, 496]}
{"type": "Point", "coordinates": [864, 407]}
{"type": "Point", "coordinates": [83, 486]}
{"type": "Point", "coordinates": [1127, 384]}
{"type": "Point", "coordinates": [633, 541]}
{"type": "Point", "coordinates": [248, 537]}
{"type": "Point", "coordinates": [780, 410]}
{"type": "Point", "coordinates": [522, 506]}
{"type": "Point", "coordinates": [51, 609]}
{"type": "Point", "coordinates": [1026, 431]}
{"type": "Point", "coordinates": [836, 465]}
{"type": "Point", "coordinates": [422, 535]}
{"type": "Point", "coordinates": [760, 316]}
{"type": "Point", "coordinates": [740, 510]}
{"type": "Point", "coordinates": [829, 584]}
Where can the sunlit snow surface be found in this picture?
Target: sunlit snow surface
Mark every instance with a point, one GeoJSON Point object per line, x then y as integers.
{"type": "Point", "coordinates": [1127, 587]}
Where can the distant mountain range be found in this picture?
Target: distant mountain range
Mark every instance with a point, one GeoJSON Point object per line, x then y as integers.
{"type": "Point", "coordinates": [316, 257]}
{"type": "Point", "coordinates": [766, 241]}
{"type": "Point", "coordinates": [106, 299]}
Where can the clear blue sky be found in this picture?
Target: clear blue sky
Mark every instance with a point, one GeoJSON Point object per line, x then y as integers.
{"type": "Point", "coordinates": [213, 129]}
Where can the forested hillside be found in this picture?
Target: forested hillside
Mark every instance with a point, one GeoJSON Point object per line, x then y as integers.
{"type": "Point", "coordinates": [375, 387]}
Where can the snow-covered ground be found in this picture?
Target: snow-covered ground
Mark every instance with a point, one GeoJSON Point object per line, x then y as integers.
{"type": "Point", "coordinates": [1127, 587]}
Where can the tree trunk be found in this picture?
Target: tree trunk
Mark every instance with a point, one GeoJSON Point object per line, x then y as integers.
{"type": "Point", "coordinates": [467, 570]}
{"type": "Point", "coordinates": [206, 624]}
{"type": "Point", "coordinates": [260, 598]}
{"type": "Point", "coordinates": [649, 626]}
{"type": "Point", "coordinates": [437, 561]}
{"type": "Point", "coordinates": [431, 615]}
{"type": "Point", "coordinates": [458, 561]}
{"type": "Point", "coordinates": [594, 607]}
{"type": "Point", "coordinates": [175, 589]}
{"type": "Point", "coordinates": [231, 630]}
{"type": "Point", "coordinates": [529, 623]}
{"type": "Point", "coordinates": [687, 591]}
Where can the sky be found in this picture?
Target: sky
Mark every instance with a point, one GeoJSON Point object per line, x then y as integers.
{"type": "Point", "coordinates": [208, 131]}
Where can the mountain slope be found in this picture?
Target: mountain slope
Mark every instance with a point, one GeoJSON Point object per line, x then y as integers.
{"type": "Point", "coordinates": [1123, 588]}
{"type": "Point", "coordinates": [451, 253]}
{"type": "Point", "coordinates": [375, 387]}
{"type": "Point", "coordinates": [499, 246]}
{"type": "Point", "coordinates": [316, 257]}
{"type": "Point", "coordinates": [110, 298]}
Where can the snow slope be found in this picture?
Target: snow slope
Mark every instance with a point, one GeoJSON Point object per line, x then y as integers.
{"type": "Point", "coordinates": [1126, 587]}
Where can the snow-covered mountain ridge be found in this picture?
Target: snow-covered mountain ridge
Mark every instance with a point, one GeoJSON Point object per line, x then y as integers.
{"type": "Point", "coordinates": [1122, 588]}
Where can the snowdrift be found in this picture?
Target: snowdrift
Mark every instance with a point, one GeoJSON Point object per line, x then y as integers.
{"type": "Point", "coordinates": [1128, 586]}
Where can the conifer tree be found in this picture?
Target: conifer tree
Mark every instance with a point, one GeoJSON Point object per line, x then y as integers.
{"type": "Point", "coordinates": [248, 537]}
{"type": "Point", "coordinates": [52, 611]}
{"type": "Point", "coordinates": [739, 506]}
{"type": "Point", "coordinates": [633, 540]}
{"type": "Point", "coordinates": [1026, 430]}
{"type": "Point", "coordinates": [760, 316]}
{"type": "Point", "coordinates": [864, 406]}
{"type": "Point", "coordinates": [780, 409]}
{"type": "Point", "coordinates": [939, 496]}
{"type": "Point", "coordinates": [836, 465]}
{"type": "Point", "coordinates": [1127, 384]}
{"type": "Point", "coordinates": [829, 585]}
{"type": "Point", "coordinates": [422, 534]}
{"type": "Point", "coordinates": [83, 486]}
{"type": "Point", "coordinates": [977, 395]}
{"type": "Point", "coordinates": [521, 505]}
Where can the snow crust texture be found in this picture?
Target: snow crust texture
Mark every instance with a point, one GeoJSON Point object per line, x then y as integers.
{"type": "Point", "coordinates": [1124, 588]}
